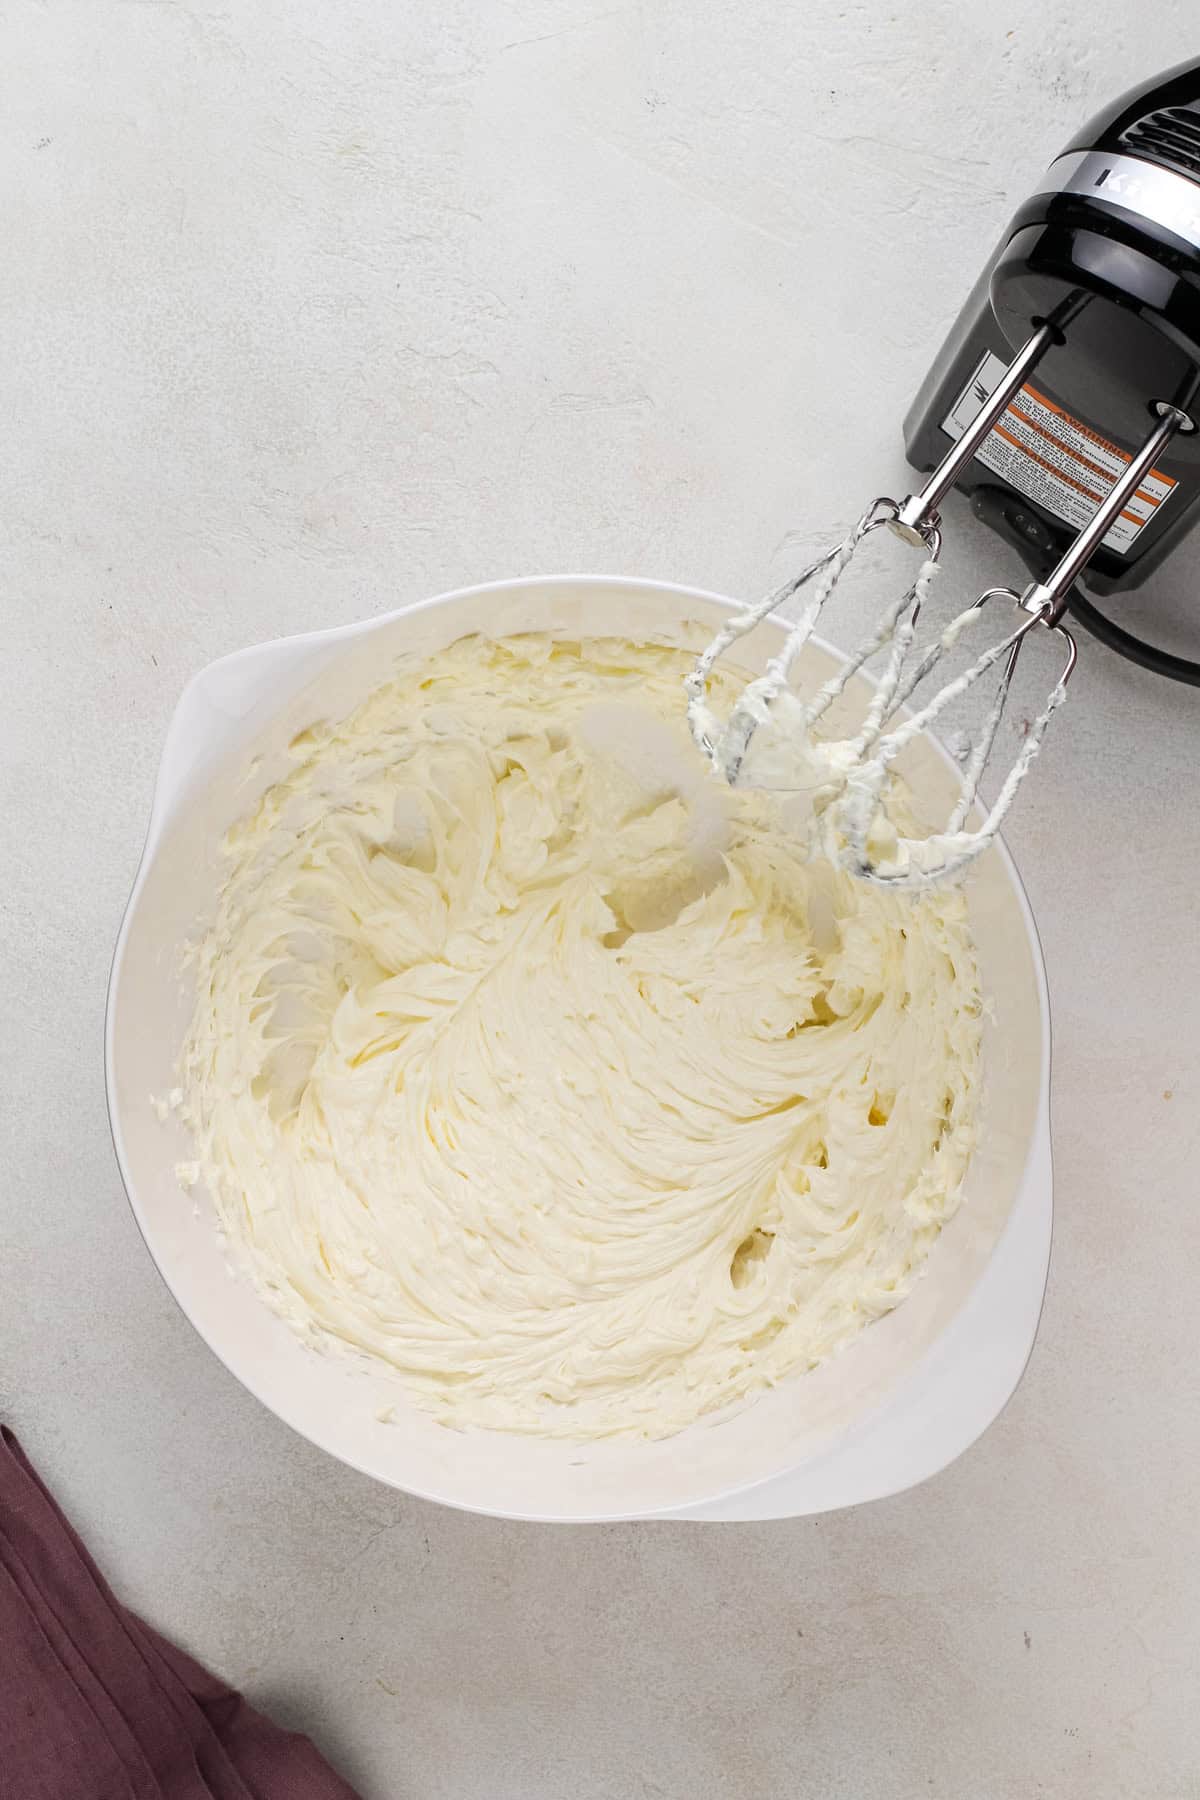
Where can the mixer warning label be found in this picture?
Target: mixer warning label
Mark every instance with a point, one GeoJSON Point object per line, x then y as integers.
{"type": "Point", "coordinates": [1051, 458]}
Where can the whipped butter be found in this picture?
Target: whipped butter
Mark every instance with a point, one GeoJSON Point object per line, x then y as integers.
{"type": "Point", "coordinates": [533, 1061]}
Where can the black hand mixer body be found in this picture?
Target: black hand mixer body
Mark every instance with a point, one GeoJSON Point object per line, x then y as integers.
{"type": "Point", "coordinates": [1102, 265]}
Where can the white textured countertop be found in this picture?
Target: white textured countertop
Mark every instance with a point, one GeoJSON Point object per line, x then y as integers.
{"type": "Point", "coordinates": [309, 307]}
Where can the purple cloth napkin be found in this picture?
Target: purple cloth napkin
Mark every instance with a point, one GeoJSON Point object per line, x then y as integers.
{"type": "Point", "coordinates": [94, 1705]}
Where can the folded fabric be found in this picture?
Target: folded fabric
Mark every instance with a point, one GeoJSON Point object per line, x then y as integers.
{"type": "Point", "coordinates": [95, 1705]}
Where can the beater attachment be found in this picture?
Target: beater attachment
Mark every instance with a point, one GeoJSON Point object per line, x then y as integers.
{"type": "Point", "coordinates": [850, 777]}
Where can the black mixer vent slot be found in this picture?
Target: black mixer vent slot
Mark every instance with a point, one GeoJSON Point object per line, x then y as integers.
{"type": "Point", "coordinates": [1171, 137]}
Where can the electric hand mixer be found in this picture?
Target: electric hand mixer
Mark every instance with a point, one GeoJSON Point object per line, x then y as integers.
{"type": "Point", "coordinates": [1095, 289]}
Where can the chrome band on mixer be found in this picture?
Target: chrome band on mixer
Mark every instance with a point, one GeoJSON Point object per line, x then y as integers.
{"type": "Point", "coordinates": [1140, 188]}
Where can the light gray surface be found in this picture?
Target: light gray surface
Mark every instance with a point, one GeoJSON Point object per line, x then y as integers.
{"type": "Point", "coordinates": [308, 307]}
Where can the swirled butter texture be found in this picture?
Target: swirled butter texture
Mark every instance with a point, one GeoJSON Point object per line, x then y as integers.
{"type": "Point", "coordinates": [533, 1061]}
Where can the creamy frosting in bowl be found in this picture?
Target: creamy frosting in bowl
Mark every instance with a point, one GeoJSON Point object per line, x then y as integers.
{"type": "Point", "coordinates": [530, 1062]}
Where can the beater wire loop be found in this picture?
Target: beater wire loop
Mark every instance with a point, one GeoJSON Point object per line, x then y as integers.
{"type": "Point", "coordinates": [855, 829]}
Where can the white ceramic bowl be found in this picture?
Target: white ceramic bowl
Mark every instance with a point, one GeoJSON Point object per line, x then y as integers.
{"type": "Point", "coordinates": [910, 1394]}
